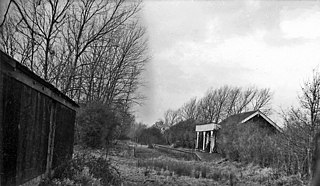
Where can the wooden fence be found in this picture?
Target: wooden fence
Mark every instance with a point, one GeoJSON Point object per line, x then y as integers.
{"type": "Point", "coordinates": [36, 125]}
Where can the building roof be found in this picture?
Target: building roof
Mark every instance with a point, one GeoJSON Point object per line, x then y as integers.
{"type": "Point", "coordinates": [236, 119]}
{"type": "Point", "coordinates": [12, 62]}
{"type": "Point", "coordinates": [246, 116]}
{"type": "Point", "coordinates": [207, 127]}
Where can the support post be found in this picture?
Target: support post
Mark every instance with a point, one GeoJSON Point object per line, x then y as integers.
{"type": "Point", "coordinates": [211, 141]}
{"type": "Point", "coordinates": [197, 142]}
{"type": "Point", "coordinates": [204, 140]}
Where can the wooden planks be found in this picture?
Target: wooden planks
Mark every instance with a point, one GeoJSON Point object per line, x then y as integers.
{"type": "Point", "coordinates": [64, 132]}
{"type": "Point", "coordinates": [1, 133]}
{"type": "Point", "coordinates": [33, 134]}
{"type": "Point", "coordinates": [11, 108]}
{"type": "Point", "coordinates": [36, 125]}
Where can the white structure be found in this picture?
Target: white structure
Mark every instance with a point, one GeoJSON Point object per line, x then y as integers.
{"type": "Point", "coordinates": [207, 134]}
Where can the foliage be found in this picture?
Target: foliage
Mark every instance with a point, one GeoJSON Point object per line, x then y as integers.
{"type": "Point", "coordinates": [96, 125]}
{"type": "Point", "coordinates": [226, 173]}
{"type": "Point", "coordinates": [136, 130]}
{"type": "Point", "coordinates": [86, 168]}
{"type": "Point", "coordinates": [181, 168]}
{"type": "Point", "coordinates": [182, 134]}
{"type": "Point", "coordinates": [151, 135]}
{"type": "Point", "coordinates": [248, 142]}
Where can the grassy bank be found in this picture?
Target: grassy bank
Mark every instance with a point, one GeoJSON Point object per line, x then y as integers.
{"type": "Point", "coordinates": [136, 165]}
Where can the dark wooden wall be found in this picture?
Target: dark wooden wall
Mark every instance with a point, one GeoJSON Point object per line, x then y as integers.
{"type": "Point", "coordinates": [64, 132]}
{"type": "Point", "coordinates": [1, 112]}
{"type": "Point", "coordinates": [36, 131]}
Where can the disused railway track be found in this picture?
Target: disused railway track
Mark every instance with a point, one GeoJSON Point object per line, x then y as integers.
{"type": "Point", "coordinates": [188, 152]}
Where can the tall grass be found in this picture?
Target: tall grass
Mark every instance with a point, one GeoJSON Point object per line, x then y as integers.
{"type": "Point", "coordinates": [232, 173]}
{"type": "Point", "coordinates": [183, 168]}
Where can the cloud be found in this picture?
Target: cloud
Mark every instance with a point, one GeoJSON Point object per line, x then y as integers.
{"type": "Point", "coordinates": [198, 45]}
{"type": "Point", "coordinates": [301, 25]}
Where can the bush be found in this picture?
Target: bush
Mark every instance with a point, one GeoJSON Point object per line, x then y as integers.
{"type": "Point", "coordinates": [96, 125]}
{"type": "Point", "coordinates": [152, 135]}
{"type": "Point", "coordinates": [86, 169]}
{"type": "Point", "coordinates": [248, 142]}
{"type": "Point", "coordinates": [182, 134]}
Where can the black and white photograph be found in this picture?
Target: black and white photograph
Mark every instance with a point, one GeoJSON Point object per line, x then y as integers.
{"type": "Point", "coordinates": [159, 93]}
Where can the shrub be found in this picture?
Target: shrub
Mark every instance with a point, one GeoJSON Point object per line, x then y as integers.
{"type": "Point", "coordinates": [150, 136]}
{"type": "Point", "coordinates": [86, 169]}
{"type": "Point", "coordinates": [248, 143]}
{"type": "Point", "coordinates": [182, 134]}
{"type": "Point", "coordinates": [96, 125]}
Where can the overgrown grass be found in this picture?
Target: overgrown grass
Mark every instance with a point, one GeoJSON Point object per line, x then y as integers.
{"type": "Point", "coordinates": [86, 168]}
{"type": "Point", "coordinates": [227, 172]}
{"type": "Point", "coordinates": [183, 168]}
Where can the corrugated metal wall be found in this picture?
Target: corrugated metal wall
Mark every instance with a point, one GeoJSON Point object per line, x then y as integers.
{"type": "Point", "coordinates": [37, 131]}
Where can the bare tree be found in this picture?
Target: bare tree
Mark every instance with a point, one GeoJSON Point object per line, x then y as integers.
{"type": "Point", "coordinates": [207, 107]}
{"type": "Point", "coordinates": [310, 103]}
{"type": "Point", "coordinates": [171, 117]}
{"type": "Point", "coordinates": [302, 124]}
{"type": "Point", "coordinates": [189, 110]}
{"type": "Point", "coordinates": [221, 100]}
{"type": "Point", "coordinates": [218, 104]}
{"type": "Point", "coordinates": [40, 24]}
{"type": "Point", "coordinates": [246, 97]}
{"type": "Point", "coordinates": [8, 41]}
{"type": "Point", "coordinates": [262, 100]}
{"type": "Point", "coordinates": [113, 74]}
{"type": "Point", "coordinates": [91, 21]}
{"type": "Point", "coordinates": [91, 50]}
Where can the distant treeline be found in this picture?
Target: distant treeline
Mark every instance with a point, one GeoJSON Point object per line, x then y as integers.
{"type": "Point", "coordinates": [290, 152]}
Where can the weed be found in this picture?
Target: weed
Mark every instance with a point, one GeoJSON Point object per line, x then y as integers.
{"type": "Point", "coordinates": [86, 169]}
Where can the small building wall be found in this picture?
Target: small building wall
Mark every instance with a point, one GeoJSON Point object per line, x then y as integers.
{"type": "Point", "coordinates": [1, 113]}
{"type": "Point", "coordinates": [37, 125]}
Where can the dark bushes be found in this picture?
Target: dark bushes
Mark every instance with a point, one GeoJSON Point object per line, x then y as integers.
{"type": "Point", "coordinates": [86, 169]}
{"type": "Point", "coordinates": [96, 125]}
{"type": "Point", "coordinates": [182, 134]}
{"type": "Point", "coordinates": [151, 135]}
{"type": "Point", "coordinates": [248, 142]}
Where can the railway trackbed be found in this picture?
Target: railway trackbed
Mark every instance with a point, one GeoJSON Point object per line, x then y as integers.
{"type": "Point", "coordinates": [190, 153]}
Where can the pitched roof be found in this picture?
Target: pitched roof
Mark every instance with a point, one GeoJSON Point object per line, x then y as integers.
{"type": "Point", "coordinates": [237, 118]}
{"type": "Point", "coordinates": [246, 116]}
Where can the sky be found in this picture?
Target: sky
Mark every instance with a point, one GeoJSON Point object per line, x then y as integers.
{"type": "Point", "coordinates": [197, 45]}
